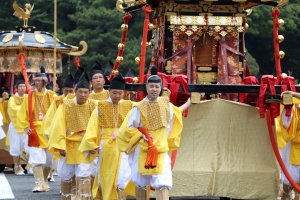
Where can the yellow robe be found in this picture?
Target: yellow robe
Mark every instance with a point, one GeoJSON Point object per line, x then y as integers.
{"type": "Point", "coordinates": [14, 104]}
{"type": "Point", "coordinates": [102, 121]}
{"type": "Point", "coordinates": [48, 119]}
{"type": "Point", "coordinates": [280, 140]}
{"type": "Point", "coordinates": [23, 117]}
{"type": "Point", "coordinates": [292, 134]}
{"type": "Point", "coordinates": [128, 138]}
{"type": "Point", "coordinates": [100, 96]}
{"type": "Point", "coordinates": [76, 124]}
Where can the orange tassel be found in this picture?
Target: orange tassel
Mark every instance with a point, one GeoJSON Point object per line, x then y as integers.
{"type": "Point", "coordinates": [152, 155]}
{"type": "Point", "coordinates": [33, 138]}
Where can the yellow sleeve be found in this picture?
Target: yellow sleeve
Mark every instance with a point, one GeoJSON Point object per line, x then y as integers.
{"type": "Point", "coordinates": [49, 117]}
{"type": "Point", "coordinates": [128, 138]}
{"type": "Point", "coordinates": [22, 116]}
{"type": "Point", "coordinates": [12, 107]}
{"type": "Point", "coordinates": [58, 133]}
{"type": "Point", "coordinates": [91, 137]}
{"type": "Point", "coordinates": [2, 110]}
{"type": "Point", "coordinates": [176, 129]}
{"type": "Point", "coordinates": [289, 134]}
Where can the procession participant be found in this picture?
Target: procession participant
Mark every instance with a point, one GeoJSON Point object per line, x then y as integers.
{"type": "Point", "coordinates": [101, 136]}
{"type": "Point", "coordinates": [40, 101]}
{"type": "Point", "coordinates": [67, 88]}
{"type": "Point", "coordinates": [77, 75]}
{"type": "Point", "coordinates": [66, 134]}
{"type": "Point", "coordinates": [98, 80]}
{"type": "Point", "coordinates": [152, 127]}
{"type": "Point", "coordinates": [18, 140]}
{"type": "Point", "coordinates": [290, 131]}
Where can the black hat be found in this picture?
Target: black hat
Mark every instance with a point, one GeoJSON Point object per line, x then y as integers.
{"type": "Point", "coordinates": [78, 74]}
{"type": "Point", "coordinates": [83, 82]}
{"type": "Point", "coordinates": [130, 73]}
{"type": "Point", "coordinates": [154, 78]}
{"type": "Point", "coordinates": [117, 83]}
{"type": "Point", "coordinates": [20, 79]}
{"type": "Point", "coordinates": [108, 69]}
{"type": "Point", "coordinates": [42, 74]}
{"type": "Point", "coordinates": [49, 86]}
{"type": "Point", "coordinates": [96, 69]}
{"type": "Point", "coordinates": [69, 81]}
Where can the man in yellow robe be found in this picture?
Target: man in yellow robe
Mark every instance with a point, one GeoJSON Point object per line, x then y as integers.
{"type": "Point", "coordinates": [101, 136]}
{"type": "Point", "coordinates": [40, 159]}
{"type": "Point", "coordinates": [164, 123]}
{"type": "Point", "coordinates": [290, 129]}
{"type": "Point", "coordinates": [66, 134]}
{"type": "Point", "coordinates": [97, 80]}
{"type": "Point", "coordinates": [68, 92]}
{"type": "Point", "coordinates": [18, 140]}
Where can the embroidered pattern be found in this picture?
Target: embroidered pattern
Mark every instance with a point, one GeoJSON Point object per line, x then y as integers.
{"type": "Point", "coordinates": [78, 115]}
{"type": "Point", "coordinates": [106, 117]}
{"type": "Point", "coordinates": [100, 95]}
{"type": "Point", "coordinates": [157, 114]}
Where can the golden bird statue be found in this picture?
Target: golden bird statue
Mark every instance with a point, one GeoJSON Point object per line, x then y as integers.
{"type": "Point", "coordinates": [21, 14]}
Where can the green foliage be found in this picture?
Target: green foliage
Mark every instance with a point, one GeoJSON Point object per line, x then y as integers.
{"type": "Point", "coordinates": [259, 37]}
{"type": "Point", "coordinates": [253, 65]}
{"type": "Point", "coordinates": [98, 23]}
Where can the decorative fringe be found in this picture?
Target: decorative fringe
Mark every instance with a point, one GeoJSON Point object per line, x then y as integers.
{"type": "Point", "coordinates": [152, 155]}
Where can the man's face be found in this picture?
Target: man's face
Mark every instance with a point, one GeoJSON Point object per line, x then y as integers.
{"type": "Point", "coordinates": [67, 90]}
{"type": "Point", "coordinates": [21, 89]}
{"type": "Point", "coordinates": [82, 95]}
{"type": "Point", "coordinates": [98, 81]}
{"type": "Point", "coordinates": [116, 95]}
{"type": "Point", "coordinates": [39, 83]}
{"type": "Point", "coordinates": [153, 90]}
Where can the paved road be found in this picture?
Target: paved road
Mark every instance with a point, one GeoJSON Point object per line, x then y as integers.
{"type": "Point", "coordinates": [21, 187]}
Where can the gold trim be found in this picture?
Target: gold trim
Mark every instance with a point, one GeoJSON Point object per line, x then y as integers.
{"type": "Point", "coordinates": [199, 20]}
{"type": "Point", "coordinates": [40, 39]}
{"type": "Point", "coordinates": [7, 38]}
{"type": "Point", "coordinates": [82, 51]}
{"type": "Point", "coordinates": [204, 68]}
{"type": "Point", "coordinates": [282, 3]}
{"type": "Point", "coordinates": [119, 6]}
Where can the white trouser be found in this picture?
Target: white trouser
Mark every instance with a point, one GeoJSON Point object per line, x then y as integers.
{"type": "Point", "coordinates": [17, 141]}
{"type": "Point", "coordinates": [54, 163]}
{"type": "Point", "coordinates": [39, 156]}
{"type": "Point", "coordinates": [67, 171]}
{"type": "Point", "coordinates": [294, 170]}
{"type": "Point", "coordinates": [94, 165]}
{"type": "Point", "coordinates": [124, 171]}
{"type": "Point", "coordinates": [156, 181]}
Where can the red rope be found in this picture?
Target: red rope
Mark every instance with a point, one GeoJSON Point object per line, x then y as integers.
{"type": "Point", "coordinates": [126, 19]}
{"type": "Point", "coordinates": [275, 149]}
{"type": "Point", "coordinates": [23, 66]}
{"type": "Point", "coordinates": [147, 11]}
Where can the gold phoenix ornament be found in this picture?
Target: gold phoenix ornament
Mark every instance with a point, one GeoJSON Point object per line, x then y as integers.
{"type": "Point", "coordinates": [21, 14]}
